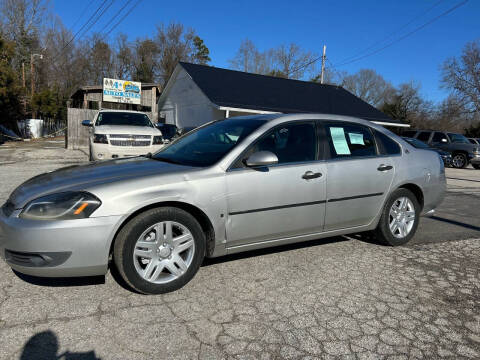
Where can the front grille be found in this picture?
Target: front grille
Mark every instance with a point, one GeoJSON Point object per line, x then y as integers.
{"type": "Point", "coordinates": [130, 140]}
{"type": "Point", "coordinates": [128, 136]}
{"type": "Point", "coordinates": [8, 208]}
{"type": "Point", "coordinates": [129, 143]}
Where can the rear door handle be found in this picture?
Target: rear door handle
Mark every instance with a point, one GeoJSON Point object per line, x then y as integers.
{"type": "Point", "coordinates": [311, 175]}
{"type": "Point", "coordinates": [384, 167]}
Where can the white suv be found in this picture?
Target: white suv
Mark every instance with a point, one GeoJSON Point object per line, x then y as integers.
{"type": "Point", "coordinates": [121, 133]}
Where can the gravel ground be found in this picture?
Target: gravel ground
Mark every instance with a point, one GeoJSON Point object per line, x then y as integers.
{"type": "Point", "coordinates": [336, 298]}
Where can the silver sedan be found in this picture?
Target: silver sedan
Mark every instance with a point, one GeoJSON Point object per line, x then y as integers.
{"type": "Point", "coordinates": [229, 186]}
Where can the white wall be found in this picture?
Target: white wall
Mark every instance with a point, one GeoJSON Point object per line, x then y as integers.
{"type": "Point", "coordinates": [186, 105]}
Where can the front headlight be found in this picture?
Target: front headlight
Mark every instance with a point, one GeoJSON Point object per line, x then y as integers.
{"type": "Point", "coordinates": [100, 139]}
{"type": "Point", "coordinates": [157, 140]}
{"type": "Point", "coordinates": [61, 206]}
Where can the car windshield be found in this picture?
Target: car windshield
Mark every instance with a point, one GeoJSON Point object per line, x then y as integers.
{"type": "Point", "coordinates": [417, 143]}
{"type": "Point", "coordinates": [457, 138]}
{"type": "Point", "coordinates": [207, 145]}
{"type": "Point", "coordinates": [123, 118]}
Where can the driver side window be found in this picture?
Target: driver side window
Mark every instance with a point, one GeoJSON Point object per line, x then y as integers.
{"type": "Point", "coordinates": [291, 143]}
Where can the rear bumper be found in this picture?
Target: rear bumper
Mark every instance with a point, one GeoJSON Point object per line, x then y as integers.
{"type": "Point", "coordinates": [107, 151]}
{"type": "Point", "coordinates": [57, 248]}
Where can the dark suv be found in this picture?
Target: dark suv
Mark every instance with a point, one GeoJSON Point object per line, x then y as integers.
{"type": "Point", "coordinates": [458, 145]}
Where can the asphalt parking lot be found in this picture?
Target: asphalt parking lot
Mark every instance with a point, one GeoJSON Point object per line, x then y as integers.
{"type": "Point", "coordinates": [343, 297]}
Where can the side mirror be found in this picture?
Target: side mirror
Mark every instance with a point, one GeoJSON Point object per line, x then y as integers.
{"type": "Point", "coordinates": [87, 123]}
{"type": "Point", "coordinates": [444, 140]}
{"type": "Point", "coordinates": [261, 158]}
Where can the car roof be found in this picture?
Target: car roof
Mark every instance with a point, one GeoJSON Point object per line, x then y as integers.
{"type": "Point", "coordinates": [124, 111]}
{"type": "Point", "coordinates": [305, 116]}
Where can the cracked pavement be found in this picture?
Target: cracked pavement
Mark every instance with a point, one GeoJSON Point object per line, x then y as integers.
{"type": "Point", "coordinates": [342, 297]}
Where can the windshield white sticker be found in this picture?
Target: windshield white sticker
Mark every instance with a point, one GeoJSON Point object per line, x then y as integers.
{"type": "Point", "coordinates": [356, 138]}
{"type": "Point", "coordinates": [339, 141]}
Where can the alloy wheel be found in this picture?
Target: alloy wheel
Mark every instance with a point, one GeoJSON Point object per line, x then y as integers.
{"type": "Point", "coordinates": [163, 252]}
{"type": "Point", "coordinates": [401, 217]}
{"type": "Point", "coordinates": [458, 161]}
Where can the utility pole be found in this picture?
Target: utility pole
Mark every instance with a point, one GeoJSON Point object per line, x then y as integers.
{"type": "Point", "coordinates": [24, 89]}
{"type": "Point", "coordinates": [32, 75]}
{"type": "Point", "coordinates": [323, 63]}
{"type": "Point", "coordinates": [23, 74]}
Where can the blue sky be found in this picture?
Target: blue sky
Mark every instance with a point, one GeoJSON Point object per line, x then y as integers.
{"type": "Point", "coordinates": [346, 26]}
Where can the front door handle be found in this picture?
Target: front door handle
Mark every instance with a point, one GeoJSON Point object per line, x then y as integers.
{"type": "Point", "coordinates": [311, 175]}
{"type": "Point", "coordinates": [384, 167]}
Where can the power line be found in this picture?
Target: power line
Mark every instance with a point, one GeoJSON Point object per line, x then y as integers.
{"type": "Point", "coordinates": [391, 43]}
{"type": "Point", "coordinates": [98, 17]}
{"type": "Point", "coordinates": [123, 17]}
{"type": "Point", "coordinates": [406, 35]}
{"type": "Point", "coordinates": [83, 26]}
{"type": "Point", "coordinates": [83, 13]}
{"type": "Point", "coordinates": [393, 33]}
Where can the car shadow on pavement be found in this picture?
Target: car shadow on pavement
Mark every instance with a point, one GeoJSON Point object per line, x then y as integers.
{"type": "Point", "coordinates": [457, 223]}
{"type": "Point", "coordinates": [44, 345]}
{"type": "Point", "coordinates": [272, 250]}
{"type": "Point", "coordinates": [61, 281]}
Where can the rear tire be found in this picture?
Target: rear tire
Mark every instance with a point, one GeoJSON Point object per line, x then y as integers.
{"type": "Point", "coordinates": [399, 220]}
{"type": "Point", "coordinates": [159, 250]}
{"type": "Point", "coordinates": [459, 161]}
{"type": "Point", "coordinates": [476, 166]}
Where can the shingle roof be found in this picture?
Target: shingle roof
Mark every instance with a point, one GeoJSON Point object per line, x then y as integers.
{"type": "Point", "coordinates": [259, 92]}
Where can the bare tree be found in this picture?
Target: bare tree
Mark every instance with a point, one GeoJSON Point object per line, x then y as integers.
{"type": "Point", "coordinates": [369, 86]}
{"type": "Point", "coordinates": [450, 115]}
{"type": "Point", "coordinates": [175, 43]}
{"type": "Point", "coordinates": [146, 53]}
{"type": "Point", "coordinates": [287, 61]}
{"type": "Point", "coordinates": [249, 59]}
{"type": "Point", "coordinates": [292, 61]}
{"type": "Point", "coordinates": [407, 105]}
{"type": "Point", "coordinates": [123, 59]}
{"type": "Point", "coordinates": [22, 21]}
{"type": "Point", "coordinates": [462, 76]}
{"type": "Point", "coordinates": [100, 58]}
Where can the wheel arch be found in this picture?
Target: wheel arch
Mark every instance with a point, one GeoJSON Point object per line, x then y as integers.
{"type": "Point", "coordinates": [416, 190]}
{"type": "Point", "coordinates": [197, 213]}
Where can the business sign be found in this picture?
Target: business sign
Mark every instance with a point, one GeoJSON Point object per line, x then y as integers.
{"type": "Point", "coordinates": [122, 91]}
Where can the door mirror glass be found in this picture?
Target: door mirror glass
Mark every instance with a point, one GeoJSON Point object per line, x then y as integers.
{"type": "Point", "coordinates": [261, 158]}
{"type": "Point", "coordinates": [87, 123]}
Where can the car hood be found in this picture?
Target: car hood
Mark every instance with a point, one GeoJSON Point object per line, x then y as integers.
{"type": "Point", "coordinates": [126, 129]}
{"type": "Point", "coordinates": [80, 177]}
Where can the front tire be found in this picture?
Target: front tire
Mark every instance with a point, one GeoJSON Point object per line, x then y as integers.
{"type": "Point", "coordinates": [459, 161]}
{"type": "Point", "coordinates": [160, 250]}
{"type": "Point", "coordinates": [476, 166]}
{"type": "Point", "coordinates": [399, 220]}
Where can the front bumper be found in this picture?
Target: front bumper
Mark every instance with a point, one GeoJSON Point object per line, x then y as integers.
{"type": "Point", "coordinates": [475, 160]}
{"type": "Point", "coordinates": [57, 248]}
{"type": "Point", "coordinates": [108, 152]}
{"type": "Point", "coordinates": [447, 160]}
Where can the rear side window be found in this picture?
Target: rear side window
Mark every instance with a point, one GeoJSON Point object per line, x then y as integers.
{"type": "Point", "coordinates": [350, 140]}
{"type": "Point", "coordinates": [409, 133]}
{"type": "Point", "coordinates": [387, 146]}
{"type": "Point", "coordinates": [438, 136]}
{"type": "Point", "coordinates": [424, 136]}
